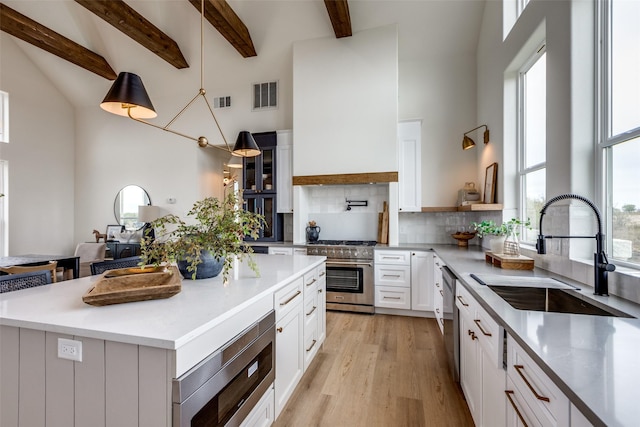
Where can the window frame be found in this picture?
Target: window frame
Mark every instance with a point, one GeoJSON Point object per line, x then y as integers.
{"type": "Point", "coordinates": [604, 142]}
{"type": "Point", "coordinates": [522, 169]}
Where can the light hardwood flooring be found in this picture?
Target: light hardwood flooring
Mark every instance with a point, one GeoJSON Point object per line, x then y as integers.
{"type": "Point", "coordinates": [378, 371]}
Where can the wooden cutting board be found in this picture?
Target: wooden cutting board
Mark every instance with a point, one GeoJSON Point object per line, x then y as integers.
{"type": "Point", "coordinates": [383, 224]}
{"type": "Point", "coordinates": [133, 287]}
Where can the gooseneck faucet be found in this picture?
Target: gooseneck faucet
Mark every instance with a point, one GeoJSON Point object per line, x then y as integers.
{"type": "Point", "coordinates": [601, 264]}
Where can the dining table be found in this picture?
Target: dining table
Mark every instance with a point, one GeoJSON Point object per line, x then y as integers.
{"type": "Point", "coordinates": [65, 261]}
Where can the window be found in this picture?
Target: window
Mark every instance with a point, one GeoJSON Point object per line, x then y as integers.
{"type": "Point", "coordinates": [532, 139]}
{"type": "Point", "coordinates": [520, 5]}
{"type": "Point", "coordinates": [620, 127]}
{"type": "Point", "coordinates": [265, 96]}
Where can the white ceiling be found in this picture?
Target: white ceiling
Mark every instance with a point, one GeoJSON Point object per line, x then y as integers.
{"type": "Point", "coordinates": [426, 29]}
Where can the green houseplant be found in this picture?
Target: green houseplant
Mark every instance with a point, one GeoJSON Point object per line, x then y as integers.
{"type": "Point", "coordinates": [217, 231]}
{"type": "Point", "coordinates": [508, 230]}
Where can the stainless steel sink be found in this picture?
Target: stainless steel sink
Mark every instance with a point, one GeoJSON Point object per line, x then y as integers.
{"type": "Point", "coordinates": [552, 300]}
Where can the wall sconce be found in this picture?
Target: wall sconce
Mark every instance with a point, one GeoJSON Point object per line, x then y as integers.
{"type": "Point", "coordinates": [469, 143]}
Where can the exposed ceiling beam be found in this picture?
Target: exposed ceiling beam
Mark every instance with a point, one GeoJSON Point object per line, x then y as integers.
{"type": "Point", "coordinates": [225, 20]}
{"type": "Point", "coordinates": [24, 28]}
{"type": "Point", "coordinates": [124, 18]}
{"type": "Point", "coordinates": [340, 18]}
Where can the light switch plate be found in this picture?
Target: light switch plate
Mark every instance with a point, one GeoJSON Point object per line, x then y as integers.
{"type": "Point", "coordinates": [70, 349]}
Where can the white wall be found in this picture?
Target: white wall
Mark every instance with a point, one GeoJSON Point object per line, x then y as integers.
{"type": "Point", "coordinates": [40, 156]}
{"type": "Point", "coordinates": [345, 98]}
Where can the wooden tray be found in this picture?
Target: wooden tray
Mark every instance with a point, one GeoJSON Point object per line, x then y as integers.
{"type": "Point", "coordinates": [509, 262]}
{"type": "Point", "coordinates": [135, 286]}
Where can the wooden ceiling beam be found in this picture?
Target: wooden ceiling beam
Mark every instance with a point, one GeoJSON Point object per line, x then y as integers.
{"type": "Point", "coordinates": [340, 18]}
{"type": "Point", "coordinates": [124, 18]}
{"type": "Point", "coordinates": [224, 19]}
{"type": "Point", "coordinates": [24, 28]}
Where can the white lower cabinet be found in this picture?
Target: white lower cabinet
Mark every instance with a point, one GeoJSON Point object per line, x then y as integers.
{"type": "Point", "coordinates": [482, 376]}
{"type": "Point", "coordinates": [263, 414]}
{"type": "Point", "coordinates": [289, 342]}
{"type": "Point", "coordinates": [280, 251]}
{"type": "Point", "coordinates": [404, 280]}
{"type": "Point", "coordinates": [542, 403]}
{"type": "Point", "coordinates": [393, 297]}
{"type": "Point", "coordinates": [421, 281]}
{"type": "Point", "coordinates": [438, 291]}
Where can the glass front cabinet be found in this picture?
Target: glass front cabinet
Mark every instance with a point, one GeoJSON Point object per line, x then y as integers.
{"type": "Point", "coordinates": [259, 186]}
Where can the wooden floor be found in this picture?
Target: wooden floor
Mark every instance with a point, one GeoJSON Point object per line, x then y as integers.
{"type": "Point", "coordinates": [378, 371]}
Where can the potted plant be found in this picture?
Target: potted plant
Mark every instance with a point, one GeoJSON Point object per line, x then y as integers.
{"type": "Point", "coordinates": [207, 244]}
{"type": "Point", "coordinates": [507, 230]}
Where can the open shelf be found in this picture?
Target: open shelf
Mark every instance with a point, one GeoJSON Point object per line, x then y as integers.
{"type": "Point", "coordinates": [468, 208]}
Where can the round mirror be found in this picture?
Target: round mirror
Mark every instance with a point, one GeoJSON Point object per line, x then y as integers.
{"type": "Point", "coordinates": [126, 205]}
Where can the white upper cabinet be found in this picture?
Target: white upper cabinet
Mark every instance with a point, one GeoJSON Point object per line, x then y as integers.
{"type": "Point", "coordinates": [284, 159]}
{"type": "Point", "coordinates": [409, 166]}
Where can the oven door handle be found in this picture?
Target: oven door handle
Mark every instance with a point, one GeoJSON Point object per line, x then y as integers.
{"type": "Point", "coordinates": [367, 264]}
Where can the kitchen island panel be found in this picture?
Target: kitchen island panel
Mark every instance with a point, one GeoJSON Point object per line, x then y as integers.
{"type": "Point", "coordinates": [89, 399]}
{"type": "Point", "coordinates": [31, 368]}
{"type": "Point", "coordinates": [58, 384]}
{"type": "Point", "coordinates": [9, 386]}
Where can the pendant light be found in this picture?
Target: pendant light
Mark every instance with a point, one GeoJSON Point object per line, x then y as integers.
{"type": "Point", "coordinates": [128, 97]}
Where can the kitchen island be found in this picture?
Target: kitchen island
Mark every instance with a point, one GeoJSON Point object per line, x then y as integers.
{"type": "Point", "coordinates": [130, 352]}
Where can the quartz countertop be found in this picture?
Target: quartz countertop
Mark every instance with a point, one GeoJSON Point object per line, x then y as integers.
{"type": "Point", "coordinates": [164, 323]}
{"type": "Point", "coordinates": [594, 360]}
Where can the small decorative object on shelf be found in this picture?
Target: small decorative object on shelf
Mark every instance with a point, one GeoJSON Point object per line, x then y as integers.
{"type": "Point", "coordinates": [463, 237]}
{"type": "Point", "coordinates": [509, 231]}
{"type": "Point", "coordinates": [313, 232]}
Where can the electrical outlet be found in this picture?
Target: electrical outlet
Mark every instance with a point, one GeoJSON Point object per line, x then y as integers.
{"type": "Point", "coordinates": [70, 349]}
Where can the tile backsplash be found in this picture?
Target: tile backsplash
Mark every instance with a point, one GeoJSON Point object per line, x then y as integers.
{"type": "Point", "coordinates": [437, 227]}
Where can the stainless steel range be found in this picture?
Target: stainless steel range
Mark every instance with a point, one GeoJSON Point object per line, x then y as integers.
{"type": "Point", "coordinates": [349, 273]}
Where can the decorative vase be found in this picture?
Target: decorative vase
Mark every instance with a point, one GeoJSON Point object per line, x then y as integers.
{"type": "Point", "coordinates": [512, 244]}
{"type": "Point", "coordinates": [496, 244]}
{"type": "Point", "coordinates": [313, 233]}
{"type": "Point", "coordinates": [208, 268]}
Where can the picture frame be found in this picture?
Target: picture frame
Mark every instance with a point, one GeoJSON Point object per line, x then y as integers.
{"type": "Point", "coordinates": [112, 229]}
{"type": "Point", "coordinates": [490, 183]}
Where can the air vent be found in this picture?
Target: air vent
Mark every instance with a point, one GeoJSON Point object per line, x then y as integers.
{"type": "Point", "coordinates": [265, 96]}
{"type": "Point", "coordinates": [222, 102]}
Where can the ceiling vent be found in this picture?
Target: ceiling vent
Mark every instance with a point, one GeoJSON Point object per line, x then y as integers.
{"type": "Point", "coordinates": [265, 96]}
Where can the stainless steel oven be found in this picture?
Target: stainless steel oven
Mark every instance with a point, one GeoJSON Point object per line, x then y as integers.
{"type": "Point", "coordinates": [349, 274]}
{"type": "Point", "coordinates": [223, 388]}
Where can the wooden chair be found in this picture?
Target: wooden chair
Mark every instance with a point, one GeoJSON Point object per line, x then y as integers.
{"type": "Point", "coordinates": [101, 267]}
{"type": "Point", "coordinates": [18, 269]}
{"type": "Point", "coordinates": [15, 282]}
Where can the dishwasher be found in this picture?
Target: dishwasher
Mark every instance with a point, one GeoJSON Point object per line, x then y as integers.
{"type": "Point", "coordinates": [451, 322]}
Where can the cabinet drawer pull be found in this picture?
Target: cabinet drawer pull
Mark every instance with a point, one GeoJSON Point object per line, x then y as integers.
{"type": "Point", "coordinates": [319, 291]}
{"type": "Point", "coordinates": [280, 329]}
{"type": "Point", "coordinates": [312, 345]}
{"type": "Point", "coordinates": [311, 282]}
{"type": "Point", "coordinates": [322, 273]}
{"type": "Point", "coordinates": [441, 321]}
{"type": "Point", "coordinates": [515, 408]}
{"type": "Point", "coordinates": [312, 310]}
{"type": "Point", "coordinates": [437, 284]}
{"type": "Point", "coordinates": [290, 299]}
{"type": "Point", "coordinates": [438, 310]}
{"type": "Point", "coordinates": [390, 257]}
{"type": "Point", "coordinates": [391, 275]}
{"type": "Point", "coordinates": [519, 369]}
{"type": "Point", "coordinates": [462, 301]}
{"type": "Point", "coordinates": [441, 293]}
{"type": "Point", "coordinates": [391, 298]}
{"type": "Point", "coordinates": [472, 334]}
{"type": "Point", "coordinates": [477, 322]}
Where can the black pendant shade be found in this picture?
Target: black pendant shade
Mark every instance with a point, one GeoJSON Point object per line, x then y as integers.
{"type": "Point", "coordinates": [128, 93]}
{"type": "Point", "coordinates": [245, 145]}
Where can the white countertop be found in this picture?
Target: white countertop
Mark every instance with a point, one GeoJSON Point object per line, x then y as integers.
{"type": "Point", "coordinates": [165, 323]}
{"type": "Point", "coordinates": [594, 360]}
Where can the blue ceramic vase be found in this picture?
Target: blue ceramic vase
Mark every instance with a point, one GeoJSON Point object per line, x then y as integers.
{"type": "Point", "coordinates": [208, 268]}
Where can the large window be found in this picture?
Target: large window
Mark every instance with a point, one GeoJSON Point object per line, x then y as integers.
{"type": "Point", "coordinates": [620, 126]}
{"type": "Point", "coordinates": [4, 226]}
{"type": "Point", "coordinates": [532, 146]}
{"type": "Point", "coordinates": [4, 116]}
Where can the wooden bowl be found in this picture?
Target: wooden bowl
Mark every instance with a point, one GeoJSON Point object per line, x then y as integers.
{"type": "Point", "coordinates": [464, 237]}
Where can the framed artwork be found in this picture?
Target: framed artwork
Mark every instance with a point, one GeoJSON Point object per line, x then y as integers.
{"type": "Point", "coordinates": [112, 229]}
{"type": "Point", "coordinates": [490, 183]}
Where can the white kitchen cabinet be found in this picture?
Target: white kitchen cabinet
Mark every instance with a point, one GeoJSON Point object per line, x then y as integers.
{"type": "Point", "coordinates": [393, 297]}
{"type": "Point", "coordinates": [311, 308]}
{"type": "Point", "coordinates": [422, 281]}
{"type": "Point", "coordinates": [438, 292]}
{"type": "Point", "coordinates": [578, 419]}
{"type": "Point", "coordinates": [482, 376]}
{"type": "Point", "coordinates": [263, 414]}
{"type": "Point", "coordinates": [284, 172]}
{"type": "Point", "coordinates": [289, 341]}
{"type": "Point", "coordinates": [280, 251]}
{"type": "Point", "coordinates": [392, 279]}
{"type": "Point", "coordinates": [322, 303]}
{"type": "Point", "coordinates": [540, 397]}
{"type": "Point", "coordinates": [409, 166]}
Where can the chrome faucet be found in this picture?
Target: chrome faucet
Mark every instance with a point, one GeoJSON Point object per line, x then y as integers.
{"type": "Point", "coordinates": [601, 265]}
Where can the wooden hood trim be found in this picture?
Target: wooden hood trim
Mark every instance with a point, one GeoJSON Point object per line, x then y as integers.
{"type": "Point", "coordinates": [346, 178]}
